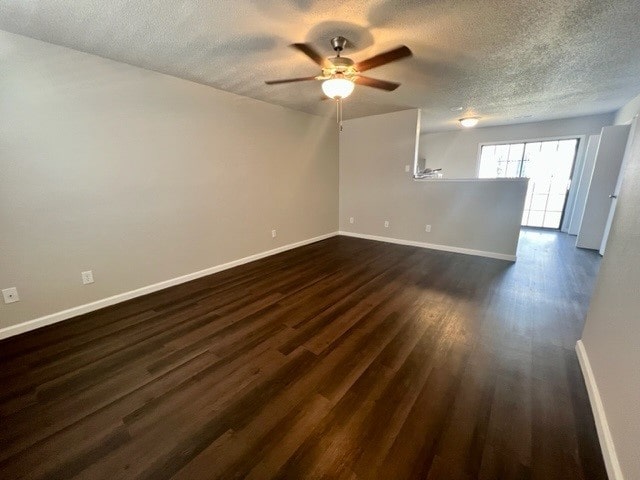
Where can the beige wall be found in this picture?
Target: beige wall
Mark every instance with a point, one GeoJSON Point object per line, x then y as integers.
{"type": "Point", "coordinates": [143, 177]}
{"type": "Point", "coordinates": [611, 335]}
{"type": "Point", "coordinates": [374, 187]}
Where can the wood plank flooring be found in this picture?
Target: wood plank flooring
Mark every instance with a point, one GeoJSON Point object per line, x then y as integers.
{"type": "Point", "coordinates": [344, 359]}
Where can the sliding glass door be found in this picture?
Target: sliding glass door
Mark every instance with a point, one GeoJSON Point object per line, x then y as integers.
{"type": "Point", "coordinates": [547, 164]}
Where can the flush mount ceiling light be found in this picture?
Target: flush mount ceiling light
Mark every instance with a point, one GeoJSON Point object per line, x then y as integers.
{"type": "Point", "coordinates": [337, 87]}
{"type": "Point", "coordinates": [469, 122]}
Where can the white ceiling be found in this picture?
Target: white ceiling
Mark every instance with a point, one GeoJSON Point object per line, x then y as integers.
{"type": "Point", "coordinates": [505, 60]}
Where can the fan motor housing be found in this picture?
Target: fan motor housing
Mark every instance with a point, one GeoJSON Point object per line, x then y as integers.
{"type": "Point", "coordinates": [340, 65]}
{"type": "Point", "coordinates": [341, 62]}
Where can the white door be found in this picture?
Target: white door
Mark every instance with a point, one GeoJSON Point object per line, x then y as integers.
{"type": "Point", "coordinates": [635, 127]}
{"type": "Point", "coordinates": [611, 149]}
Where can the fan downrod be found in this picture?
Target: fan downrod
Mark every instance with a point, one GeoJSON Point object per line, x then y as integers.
{"type": "Point", "coordinates": [338, 44]}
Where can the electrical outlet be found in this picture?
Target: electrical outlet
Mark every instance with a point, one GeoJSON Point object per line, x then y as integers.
{"type": "Point", "coordinates": [274, 234]}
{"type": "Point", "coordinates": [427, 228]}
{"type": "Point", "coordinates": [10, 295]}
{"type": "Point", "coordinates": [407, 168]}
{"type": "Point", "coordinates": [386, 224]}
{"type": "Point", "coordinates": [351, 220]}
{"type": "Point", "coordinates": [87, 277]}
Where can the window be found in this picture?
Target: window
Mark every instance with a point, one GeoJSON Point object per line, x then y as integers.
{"type": "Point", "coordinates": [547, 165]}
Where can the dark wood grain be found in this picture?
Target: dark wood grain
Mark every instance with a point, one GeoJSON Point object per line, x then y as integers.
{"type": "Point", "coordinates": [346, 358]}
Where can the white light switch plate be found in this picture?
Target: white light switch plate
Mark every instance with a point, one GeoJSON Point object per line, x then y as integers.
{"type": "Point", "coordinates": [10, 295]}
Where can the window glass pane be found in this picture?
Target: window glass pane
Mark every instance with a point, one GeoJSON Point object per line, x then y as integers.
{"type": "Point", "coordinates": [535, 219]}
{"type": "Point", "coordinates": [541, 185]}
{"type": "Point", "coordinates": [515, 151]}
{"type": "Point", "coordinates": [531, 150]}
{"type": "Point", "coordinates": [529, 193]}
{"type": "Point", "coordinates": [539, 202]}
{"type": "Point", "coordinates": [552, 219]}
{"type": "Point", "coordinates": [559, 184]}
{"type": "Point", "coordinates": [488, 163]}
{"type": "Point", "coordinates": [502, 169]}
{"type": "Point", "coordinates": [555, 203]}
{"type": "Point", "coordinates": [502, 152]}
{"type": "Point", "coordinates": [513, 169]}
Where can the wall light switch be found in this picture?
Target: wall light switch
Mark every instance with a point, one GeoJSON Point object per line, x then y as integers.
{"type": "Point", "coordinates": [427, 228]}
{"type": "Point", "coordinates": [10, 295]}
{"type": "Point", "coordinates": [274, 234]}
{"type": "Point", "coordinates": [87, 277]}
{"type": "Point", "coordinates": [351, 220]}
{"type": "Point", "coordinates": [407, 168]}
{"type": "Point", "coordinates": [386, 224]}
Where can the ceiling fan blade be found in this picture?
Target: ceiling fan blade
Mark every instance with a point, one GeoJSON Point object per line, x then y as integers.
{"type": "Point", "coordinates": [384, 58]}
{"type": "Point", "coordinates": [312, 53]}
{"type": "Point", "coordinates": [289, 80]}
{"type": "Point", "coordinates": [375, 83]}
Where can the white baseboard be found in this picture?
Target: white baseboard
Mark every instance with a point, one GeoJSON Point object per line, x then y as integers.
{"type": "Point", "coordinates": [604, 434]}
{"type": "Point", "coordinates": [432, 246]}
{"type": "Point", "coordinates": [121, 297]}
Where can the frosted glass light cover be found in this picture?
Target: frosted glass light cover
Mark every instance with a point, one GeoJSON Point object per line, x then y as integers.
{"type": "Point", "coordinates": [337, 87]}
{"type": "Point", "coordinates": [469, 122]}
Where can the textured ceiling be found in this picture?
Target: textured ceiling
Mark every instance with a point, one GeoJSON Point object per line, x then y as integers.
{"type": "Point", "coordinates": [505, 60]}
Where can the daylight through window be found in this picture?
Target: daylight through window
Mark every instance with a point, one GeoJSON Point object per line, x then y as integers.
{"type": "Point", "coordinates": [548, 166]}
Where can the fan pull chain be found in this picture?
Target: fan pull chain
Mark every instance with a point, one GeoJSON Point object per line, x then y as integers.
{"type": "Point", "coordinates": [339, 112]}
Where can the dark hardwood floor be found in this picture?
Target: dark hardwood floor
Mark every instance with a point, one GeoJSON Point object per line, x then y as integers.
{"type": "Point", "coordinates": [345, 359]}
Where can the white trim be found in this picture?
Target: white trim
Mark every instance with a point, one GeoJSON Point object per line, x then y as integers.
{"type": "Point", "coordinates": [432, 246]}
{"type": "Point", "coordinates": [121, 297]}
{"type": "Point", "coordinates": [602, 426]}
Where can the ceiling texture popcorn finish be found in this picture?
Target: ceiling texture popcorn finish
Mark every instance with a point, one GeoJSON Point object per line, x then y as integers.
{"type": "Point", "coordinates": [501, 59]}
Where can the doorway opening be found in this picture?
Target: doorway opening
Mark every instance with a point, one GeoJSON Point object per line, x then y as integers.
{"type": "Point", "coordinates": [547, 164]}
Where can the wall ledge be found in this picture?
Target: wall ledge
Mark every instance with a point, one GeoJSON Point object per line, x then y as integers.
{"type": "Point", "coordinates": [602, 426]}
{"type": "Point", "coordinates": [466, 180]}
{"type": "Point", "coordinates": [122, 297]}
{"type": "Point", "coordinates": [432, 246]}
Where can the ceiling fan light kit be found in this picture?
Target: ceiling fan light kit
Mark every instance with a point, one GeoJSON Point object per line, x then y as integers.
{"type": "Point", "coordinates": [340, 74]}
{"type": "Point", "coordinates": [338, 87]}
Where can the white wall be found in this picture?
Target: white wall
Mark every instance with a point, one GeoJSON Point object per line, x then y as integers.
{"type": "Point", "coordinates": [481, 215]}
{"type": "Point", "coordinates": [626, 114]}
{"type": "Point", "coordinates": [457, 151]}
{"type": "Point", "coordinates": [143, 177]}
{"type": "Point", "coordinates": [611, 337]}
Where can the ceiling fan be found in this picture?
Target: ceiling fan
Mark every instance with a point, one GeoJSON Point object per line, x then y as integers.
{"type": "Point", "coordinates": [338, 70]}
{"type": "Point", "coordinates": [340, 74]}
